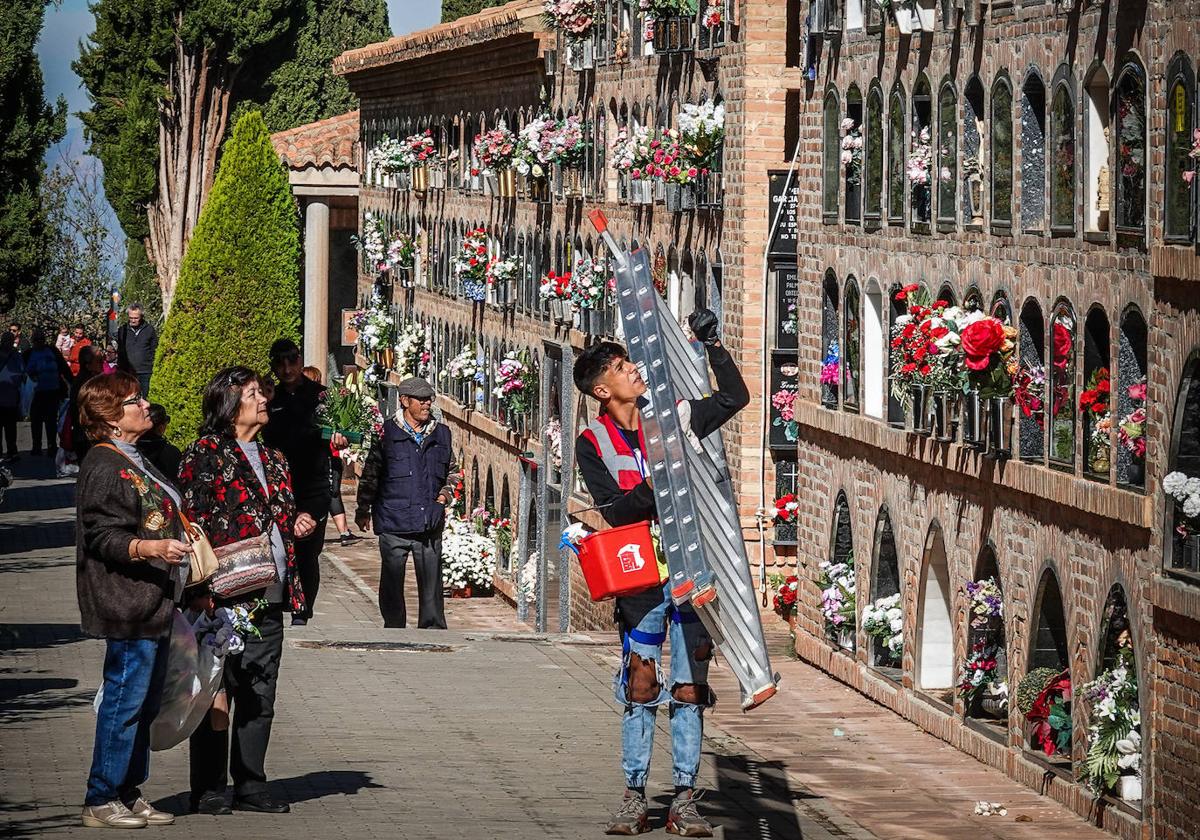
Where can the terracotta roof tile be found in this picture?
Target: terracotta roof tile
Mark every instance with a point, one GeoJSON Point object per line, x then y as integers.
{"type": "Point", "coordinates": [520, 16]}
{"type": "Point", "coordinates": [330, 142]}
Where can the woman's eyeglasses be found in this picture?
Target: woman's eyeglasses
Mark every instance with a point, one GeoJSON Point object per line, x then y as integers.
{"type": "Point", "coordinates": [134, 400]}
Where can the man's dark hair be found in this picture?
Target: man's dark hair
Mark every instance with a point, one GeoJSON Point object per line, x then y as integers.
{"type": "Point", "coordinates": [86, 355]}
{"type": "Point", "coordinates": [223, 399]}
{"type": "Point", "coordinates": [16, 324]}
{"type": "Point", "coordinates": [158, 415]}
{"type": "Point", "coordinates": [593, 361]}
{"type": "Point", "coordinates": [282, 347]}
{"type": "Point", "coordinates": [77, 327]}
{"type": "Point", "coordinates": [136, 305]}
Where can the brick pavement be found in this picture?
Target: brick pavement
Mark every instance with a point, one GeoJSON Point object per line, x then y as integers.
{"type": "Point", "coordinates": [503, 736]}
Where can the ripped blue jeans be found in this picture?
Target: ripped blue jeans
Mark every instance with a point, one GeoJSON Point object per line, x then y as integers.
{"type": "Point", "coordinates": [647, 619]}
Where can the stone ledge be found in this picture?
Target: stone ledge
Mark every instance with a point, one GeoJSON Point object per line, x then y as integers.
{"type": "Point", "coordinates": [1038, 481]}
{"type": "Point", "coordinates": [1175, 596]}
{"type": "Point", "coordinates": [1178, 261]}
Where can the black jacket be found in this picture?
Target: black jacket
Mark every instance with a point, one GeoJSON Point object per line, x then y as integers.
{"type": "Point", "coordinates": [161, 453]}
{"type": "Point", "coordinates": [122, 598]}
{"type": "Point", "coordinates": [293, 430]}
{"type": "Point", "coordinates": [708, 415]}
{"type": "Point", "coordinates": [136, 347]}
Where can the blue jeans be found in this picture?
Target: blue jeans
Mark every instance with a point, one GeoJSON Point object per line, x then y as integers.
{"type": "Point", "coordinates": [647, 619]}
{"type": "Point", "coordinates": [134, 670]}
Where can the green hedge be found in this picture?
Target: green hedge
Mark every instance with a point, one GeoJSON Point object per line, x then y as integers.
{"type": "Point", "coordinates": [239, 285]}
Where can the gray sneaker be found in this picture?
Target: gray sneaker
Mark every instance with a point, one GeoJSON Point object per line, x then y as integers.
{"type": "Point", "coordinates": [630, 817]}
{"type": "Point", "coordinates": [684, 818]}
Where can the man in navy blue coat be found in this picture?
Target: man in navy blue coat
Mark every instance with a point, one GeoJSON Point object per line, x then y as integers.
{"type": "Point", "coordinates": [405, 487]}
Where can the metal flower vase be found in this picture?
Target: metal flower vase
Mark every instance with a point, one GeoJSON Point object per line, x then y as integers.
{"type": "Point", "coordinates": [582, 55]}
{"type": "Point", "coordinates": [674, 197]}
{"type": "Point", "coordinates": [999, 425]}
{"type": "Point", "coordinates": [539, 190]}
{"type": "Point", "coordinates": [507, 182]}
{"type": "Point", "coordinates": [572, 183]}
{"type": "Point", "coordinates": [641, 191]}
{"type": "Point", "coordinates": [943, 414]}
{"type": "Point", "coordinates": [404, 180]}
{"type": "Point", "coordinates": [687, 196]}
{"type": "Point", "coordinates": [386, 357]}
{"type": "Point", "coordinates": [491, 183]}
{"type": "Point", "coordinates": [972, 420]}
{"type": "Point", "coordinates": [420, 179]}
{"type": "Point", "coordinates": [558, 310]}
{"type": "Point", "coordinates": [920, 408]}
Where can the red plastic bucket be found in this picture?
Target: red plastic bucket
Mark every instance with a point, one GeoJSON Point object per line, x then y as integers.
{"type": "Point", "coordinates": [619, 561]}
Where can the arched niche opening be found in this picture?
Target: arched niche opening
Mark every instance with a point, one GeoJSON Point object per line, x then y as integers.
{"type": "Point", "coordinates": [1097, 177]}
{"type": "Point", "coordinates": [1130, 110]}
{"type": "Point", "coordinates": [896, 157]}
{"type": "Point", "coordinates": [1062, 385]}
{"type": "Point", "coordinates": [851, 346]}
{"type": "Point", "coordinates": [1002, 154]}
{"type": "Point", "coordinates": [875, 349]}
{"type": "Point", "coordinates": [1029, 387]}
{"type": "Point", "coordinates": [934, 660]}
{"type": "Point", "coordinates": [1033, 153]}
{"type": "Point", "coordinates": [831, 157]}
{"type": "Point", "coordinates": [829, 339]}
{"type": "Point", "coordinates": [475, 496]}
{"type": "Point", "coordinates": [1131, 400]}
{"type": "Point", "coordinates": [851, 157]}
{"type": "Point", "coordinates": [947, 156]}
{"type": "Point", "coordinates": [1062, 155]}
{"type": "Point", "coordinates": [920, 168]}
{"type": "Point", "coordinates": [1183, 545]}
{"type": "Point", "coordinates": [1115, 748]}
{"type": "Point", "coordinates": [1043, 695]}
{"type": "Point", "coordinates": [896, 308]}
{"type": "Point", "coordinates": [983, 681]}
{"type": "Point", "coordinates": [873, 156]}
{"type": "Point", "coordinates": [1095, 401]}
{"type": "Point", "coordinates": [974, 143]}
{"type": "Point", "coordinates": [1179, 173]}
{"type": "Point", "coordinates": [885, 599]}
{"type": "Point", "coordinates": [838, 580]}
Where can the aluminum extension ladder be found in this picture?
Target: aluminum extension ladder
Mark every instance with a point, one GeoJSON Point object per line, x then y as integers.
{"type": "Point", "coordinates": [701, 532]}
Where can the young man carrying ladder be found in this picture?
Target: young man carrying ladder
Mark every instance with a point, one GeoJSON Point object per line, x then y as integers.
{"type": "Point", "coordinates": [611, 456]}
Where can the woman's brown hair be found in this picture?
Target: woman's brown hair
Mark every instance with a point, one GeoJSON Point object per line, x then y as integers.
{"type": "Point", "coordinates": [100, 401]}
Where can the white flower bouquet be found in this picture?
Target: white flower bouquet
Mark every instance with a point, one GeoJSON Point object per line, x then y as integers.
{"type": "Point", "coordinates": [413, 350]}
{"type": "Point", "coordinates": [883, 620]}
{"type": "Point", "coordinates": [468, 558]}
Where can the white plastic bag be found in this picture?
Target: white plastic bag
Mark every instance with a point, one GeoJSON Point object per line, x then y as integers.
{"type": "Point", "coordinates": [193, 678]}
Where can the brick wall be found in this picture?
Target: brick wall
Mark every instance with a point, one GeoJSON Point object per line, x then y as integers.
{"type": "Point", "coordinates": [1091, 535]}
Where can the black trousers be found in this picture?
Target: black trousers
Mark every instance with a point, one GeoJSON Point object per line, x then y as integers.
{"type": "Point", "coordinates": [43, 416]}
{"type": "Point", "coordinates": [308, 566]}
{"type": "Point", "coordinates": [426, 551]}
{"type": "Point", "coordinates": [250, 681]}
{"type": "Point", "coordinates": [8, 424]}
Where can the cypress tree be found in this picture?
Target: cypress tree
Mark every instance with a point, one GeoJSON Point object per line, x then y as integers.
{"type": "Point", "coordinates": [303, 89]}
{"type": "Point", "coordinates": [239, 285]}
{"type": "Point", "coordinates": [454, 9]}
{"type": "Point", "coordinates": [28, 126]}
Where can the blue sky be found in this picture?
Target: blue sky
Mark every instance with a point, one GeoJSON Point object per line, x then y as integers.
{"type": "Point", "coordinates": [70, 22]}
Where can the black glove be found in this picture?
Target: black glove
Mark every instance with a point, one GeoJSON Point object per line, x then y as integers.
{"type": "Point", "coordinates": [703, 324]}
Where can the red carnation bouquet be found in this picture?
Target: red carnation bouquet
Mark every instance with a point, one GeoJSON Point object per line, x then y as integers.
{"type": "Point", "coordinates": [786, 591]}
{"type": "Point", "coordinates": [925, 345]}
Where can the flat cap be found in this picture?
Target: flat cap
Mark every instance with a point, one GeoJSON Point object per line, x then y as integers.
{"type": "Point", "coordinates": [415, 386]}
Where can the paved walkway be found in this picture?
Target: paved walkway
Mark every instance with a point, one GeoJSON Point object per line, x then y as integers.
{"type": "Point", "coordinates": [500, 734]}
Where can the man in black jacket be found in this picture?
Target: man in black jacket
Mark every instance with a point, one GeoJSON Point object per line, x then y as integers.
{"type": "Point", "coordinates": [403, 492]}
{"type": "Point", "coordinates": [292, 429]}
{"type": "Point", "coordinates": [137, 342]}
{"type": "Point", "coordinates": [612, 460]}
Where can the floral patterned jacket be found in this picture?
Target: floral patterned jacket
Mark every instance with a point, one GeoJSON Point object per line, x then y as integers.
{"type": "Point", "coordinates": [224, 497]}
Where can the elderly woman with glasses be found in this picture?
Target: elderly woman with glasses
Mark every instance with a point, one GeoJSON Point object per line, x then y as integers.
{"type": "Point", "coordinates": [235, 488]}
{"type": "Point", "coordinates": [406, 484]}
{"type": "Point", "coordinates": [130, 565]}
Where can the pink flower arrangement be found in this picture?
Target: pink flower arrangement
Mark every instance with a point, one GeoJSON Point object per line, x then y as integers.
{"type": "Point", "coordinates": [494, 149]}
{"type": "Point", "coordinates": [572, 17]}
